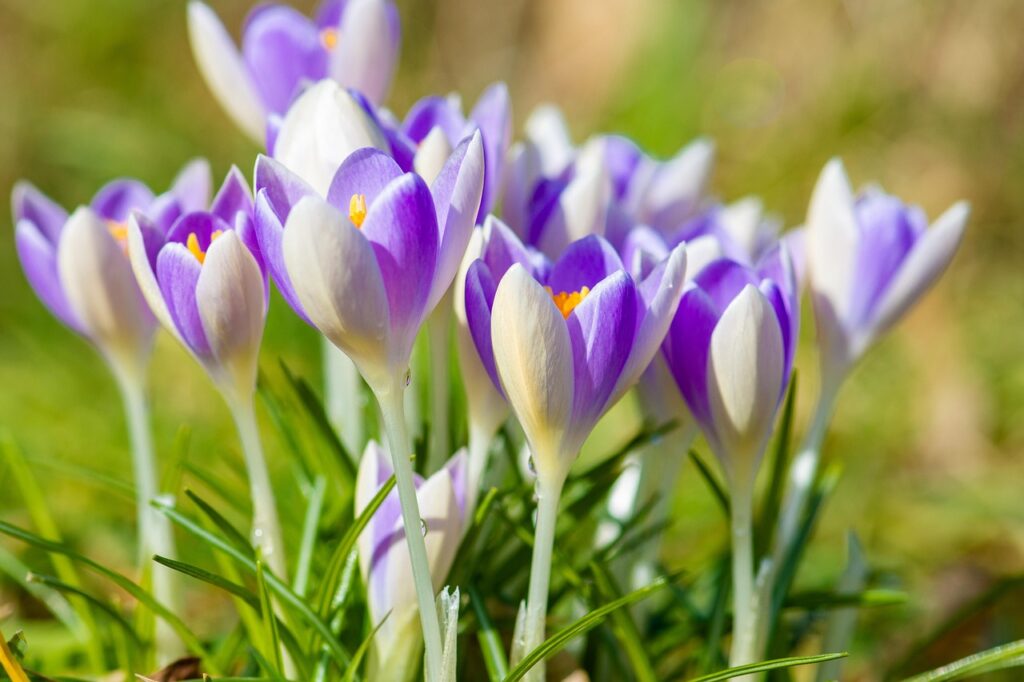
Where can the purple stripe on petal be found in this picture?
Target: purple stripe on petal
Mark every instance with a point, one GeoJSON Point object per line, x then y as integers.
{"type": "Point", "coordinates": [366, 171]}
{"type": "Point", "coordinates": [686, 349]}
{"type": "Point", "coordinates": [402, 227]}
{"type": "Point", "coordinates": [117, 199]}
{"type": "Point", "coordinates": [480, 288]}
{"type": "Point", "coordinates": [585, 263]}
{"type": "Point", "coordinates": [282, 48]}
{"type": "Point", "coordinates": [543, 201]}
{"type": "Point", "coordinates": [39, 261]}
{"type": "Point", "coordinates": [233, 197]}
{"type": "Point", "coordinates": [177, 273]}
{"type": "Point", "coordinates": [431, 112]}
{"type": "Point", "coordinates": [601, 330]}
{"type": "Point", "coordinates": [28, 203]}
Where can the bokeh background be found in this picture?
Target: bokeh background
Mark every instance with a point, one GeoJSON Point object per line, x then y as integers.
{"type": "Point", "coordinates": [922, 96]}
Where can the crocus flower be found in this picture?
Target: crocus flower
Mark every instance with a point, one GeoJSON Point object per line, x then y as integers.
{"type": "Point", "coordinates": [384, 555]}
{"type": "Point", "coordinates": [435, 125]}
{"type": "Point", "coordinates": [870, 258]}
{"type": "Point", "coordinates": [353, 42]}
{"type": "Point", "coordinates": [77, 264]}
{"type": "Point", "coordinates": [387, 235]}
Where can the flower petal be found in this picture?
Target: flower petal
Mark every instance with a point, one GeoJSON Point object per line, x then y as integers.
{"type": "Point", "coordinates": [435, 113]}
{"type": "Point", "coordinates": [582, 206]}
{"type": "Point", "coordinates": [675, 187]}
{"type": "Point", "coordinates": [233, 197]}
{"type": "Point", "coordinates": [686, 348]}
{"type": "Point", "coordinates": [224, 71]}
{"type": "Point", "coordinates": [366, 171]}
{"type": "Point", "coordinates": [533, 355]}
{"type": "Point", "coordinates": [493, 116]}
{"type": "Point", "coordinates": [832, 236]}
{"type": "Point", "coordinates": [547, 129]}
{"type": "Point", "coordinates": [367, 54]}
{"type": "Point", "coordinates": [479, 299]}
{"type": "Point", "coordinates": [231, 299]}
{"type": "Point", "coordinates": [118, 198]}
{"type": "Point", "coordinates": [584, 263]}
{"type": "Point", "coordinates": [456, 196]}
{"type": "Point", "coordinates": [192, 186]}
{"type": "Point", "coordinates": [28, 203]}
{"type": "Point", "coordinates": [336, 278]}
{"type": "Point", "coordinates": [502, 248]}
{"type": "Point", "coordinates": [177, 272]}
{"type": "Point", "coordinates": [745, 381]}
{"type": "Point", "coordinates": [144, 243]}
{"type": "Point", "coordinates": [38, 258]}
{"type": "Point", "coordinates": [282, 50]}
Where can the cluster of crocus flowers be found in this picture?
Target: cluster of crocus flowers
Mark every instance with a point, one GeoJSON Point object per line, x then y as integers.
{"type": "Point", "coordinates": [78, 266]}
{"type": "Point", "coordinates": [354, 43]}
{"type": "Point", "coordinates": [384, 555]}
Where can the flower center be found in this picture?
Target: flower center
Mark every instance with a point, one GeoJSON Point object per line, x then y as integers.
{"type": "Point", "coordinates": [192, 243]}
{"type": "Point", "coordinates": [119, 231]}
{"type": "Point", "coordinates": [357, 209]}
{"type": "Point", "coordinates": [329, 38]}
{"type": "Point", "coordinates": [567, 302]}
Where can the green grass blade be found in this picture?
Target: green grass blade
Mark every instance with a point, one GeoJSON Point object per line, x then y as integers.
{"type": "Point", "coordinates": [104, 607]}
{"type": "Point", "coordinates": [997, 658]}
{"type": "Point", "coordinates": [232, 588]}
{"type": "Point", "coordinates": [267, 666]}
{"type": "Point", "coordinates": [309, 532]}
{"type": "Point", "coordinates": [717, 489]}
{"type": "Point", "coordinates": [281, 589]}
{"type": "Point", "coordinates": [267, 609]}
{"type": "Point", "coordinates": [839, 600]}
{"type": "Point", "coordinates": [780, 468]}
{"type": "Point", "coordinates": [775, 664]}
{"type": "Point", "coordinates": [140, 595]}
{"type": "Point", "coordinates": [351, 675]}
{"type": "Point", "coordinates": [230, 533]}
{"type": "Point", "coordinates": [560, 639]}
{"type": "Point", "coordinates": [490, 641]}
{"type": "Point", "coordinates": [623, 626]}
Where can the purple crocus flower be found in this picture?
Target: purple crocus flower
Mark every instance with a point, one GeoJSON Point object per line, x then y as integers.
{"type": "Point", "coordinates": [435, 125]}
{"type": "Point", "coordinates": [205, 282]}
{"type": "Point", "coordinates": [77, 265]}
{"type": "Point", "coordinates": [870, 258]}
{"type": "Point", "coordinates": [354, 42]}
{"type": "Point", "coordinates": [566, 344]}
{"type": "Point", "coordinates": [384, 554]}
{"type": "Point", "coordinates": [383, 233]}
{"type": "Point", "coordinates": [730, 349]}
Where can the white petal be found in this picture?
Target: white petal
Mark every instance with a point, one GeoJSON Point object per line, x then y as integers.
{"type": "Point", "coordinates": [145, 277]}
{"type": "Point", "coordinates": [701, 252]}
{"type": "Point", "coordinates": [547, 129]}
{"type": "Point", "coordinates": [533, 355]}
{"type": "Point", "coordinates": [742, 220]}
{"type": "Point", "coordinates": [194, 182]}
{"type": "Point", "coordinates": [925, 263]}
{"type": "Point", "coordinates": [367, 53]}
{"type": "Point", "coordinates": [231, 297]}
{"type": "Point", "coordinates": [675, 186]}
{"type": "Point", "coordinates": [367, 487]}
{"type": "Point", "coordinates": [582, 207]}
{"type": "Point", "coordinates": [522, 167]}
{"type": "Point", "coordinates": [745, 367]}
{"type": "Point", "coordinates": [322, 127]}
{"type": "Point", "coordinates": [832, 237]}
{"type": "Point", "coordinates": [431, 155]}
{"type": "Point", "coordinates": [335, 275]}
{"type": "Point", "coordinates": [226, 74]}
{"type": "Point", "coordinates": [101, 289]}
{"type": "Point", "coordinates": [460, 219]}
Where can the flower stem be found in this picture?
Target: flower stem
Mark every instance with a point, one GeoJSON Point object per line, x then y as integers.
{"type": "Point", "coordinates": [745, 599]}
{"type": "Point", "coordinates": [548, 496]}
{"type": "Point", "coordinates": [266, 529]}
{"type": "Point", "coordinates": [343, 398]}
{"type": "Point", "coordinates": [154, 529]}
{"type": "Point", "coordinates": [392, 409]}
{"type": "Point", "coordinates": [479, 450]}
{"type": "Point", "coordinates": [439, 342]}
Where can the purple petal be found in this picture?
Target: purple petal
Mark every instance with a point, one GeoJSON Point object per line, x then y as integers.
{"type": "Point", "coordinates": [177, 272]}
{"type": "Point", "coordinates": [282, 49]}
{"type": "Point", "coordinates": [402, 227]}
{"type": "Point", "coordinates": [686, 349]}
{"type": "Point", "coordinates": [787, 321]}
{"type": "Point", "coordinates": [245, 226]}
{"type": "Point", "coordinates": [480, 288]}
{"type": "Point", "coordinates": [601, 330]}
{"type": "Point", "coordinates": [164, 211]}
{"type": "Point", "coordinates": [117, 199]}
{"type": "Point", "coordinates": [585, 263]}
{"type": "Point", "coordinates": [39, 261]}
{"type": "Point", "coordinates": [366, 171]}
{"type": "Point", "coordinates": [328, 14]}
{"type": "Point", "coordinates": [233, 197]}
{"type": "Point", "coordinates": [642, 249]}
{"type": "Point", "coordinates": [503, 249]}
{"type": "Point", "coordinates": [202, 225]}
{"type": "Point", "coordinates": [282, 187]}
{"type": "Point", "coordinates": [493, 116]}
{"type": "Point", "coordinates": [431, 112]}
{"type": "Point", "coordinates": [542, 204]}
{"type": "Point", "coordinates": [622, 156]}
{"type": "Point", "coordinates": [723, 280]}
{"type": "Point", "coordinates": [269, 232]}
{"type": "Point", "coordinates": [28, 203]}
{"type": "Point", "coordinates": [889, 230]}
{"type": "Point", "coordinates": [192, 186]}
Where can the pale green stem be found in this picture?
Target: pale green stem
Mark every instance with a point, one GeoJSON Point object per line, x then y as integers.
{"type": "Point", "coordinates": [479, 451]}
{"type": "Point", "coordinates": [392, 410]}
{"type": "Point", "coordinates": [439, 343]}
{"type": "Point", "coordinates": [154, 529]}
{"type": "Point", "coordinates": [266, 529]}
{"type": "Point", "coordinates": [548, 495]}
{"type": "Point", "coordinates": [745, 599]}
{"type": "Point", "coordinates": [343, 398]}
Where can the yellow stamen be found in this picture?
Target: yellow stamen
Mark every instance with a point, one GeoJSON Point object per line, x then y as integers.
{"type": "Point", "coordinates": [357, 209]}
{"type": "Point", "coordinates": [119, 231]}
{"type": "Point", "coordinates": [567, 302]}
{"type": "Point", "coordinates": [192, 244]}
{"type": "Point", "coordinates": [329, 38]}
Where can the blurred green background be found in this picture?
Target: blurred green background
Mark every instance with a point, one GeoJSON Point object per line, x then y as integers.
{"type": "Point", "coordinates": [923, 96]}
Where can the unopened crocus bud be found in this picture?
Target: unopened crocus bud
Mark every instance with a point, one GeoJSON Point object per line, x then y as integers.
{"type": "Point", "coordinates": [870, 257]}
{"type": "Point", "coordinates": [384, 555]}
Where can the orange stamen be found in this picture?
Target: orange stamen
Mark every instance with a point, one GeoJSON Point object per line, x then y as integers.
{"type": "Point", "coordinates": [567, 302]}
{"type": "Point", "coordinates": [192, 244]}
{"type": "Point", "coordinates": [329, 38]}
{"type": "Point", "coordinates": [357, 209]}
